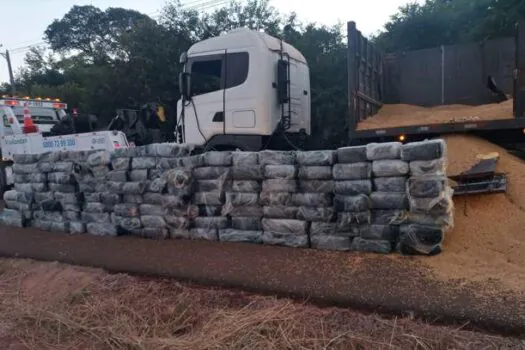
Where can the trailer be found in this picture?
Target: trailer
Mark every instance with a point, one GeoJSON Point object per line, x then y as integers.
{"type": "Point", "coordinates": [367, 72]}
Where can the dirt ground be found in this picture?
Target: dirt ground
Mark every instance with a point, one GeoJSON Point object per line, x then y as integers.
{"type": "Point", "coordinates": [57, 306]}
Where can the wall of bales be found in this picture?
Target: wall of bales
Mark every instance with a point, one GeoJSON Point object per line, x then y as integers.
{"type": "Point", "coordinates": [375, 198]}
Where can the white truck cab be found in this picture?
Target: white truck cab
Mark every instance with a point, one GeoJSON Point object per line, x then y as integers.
{"type": "Point", "coordinates": [45, 112]}
{"type": "Point", "coordinates": [238, 87]}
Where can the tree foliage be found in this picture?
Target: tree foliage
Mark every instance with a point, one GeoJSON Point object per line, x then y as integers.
{"type": "Point", "coordinates": [446, 22]}
{"type": "Point", "coordinates": [103, 60]}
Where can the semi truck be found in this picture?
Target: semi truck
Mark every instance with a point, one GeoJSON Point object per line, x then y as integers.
{"type": "Point", "coordinates": [240, 89]}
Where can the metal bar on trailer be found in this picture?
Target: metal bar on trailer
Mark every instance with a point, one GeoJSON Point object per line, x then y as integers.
{"type": "Point", "coordinates": [442, 128]}
{"type": "Point", "coordinates": [352, 75]}
{"type": "Point", "coordinates": [519, 72]}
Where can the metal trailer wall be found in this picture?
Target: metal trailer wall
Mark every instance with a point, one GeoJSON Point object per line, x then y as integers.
{"type": "Point", "coordinates": [453, 74]}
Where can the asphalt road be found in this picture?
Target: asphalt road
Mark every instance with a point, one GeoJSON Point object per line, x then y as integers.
{"type": "Point", "coordinates": [379, 283]}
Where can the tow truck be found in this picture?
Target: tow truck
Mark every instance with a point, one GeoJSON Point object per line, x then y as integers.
{"type": "Point", "coordinates": [14, 138]}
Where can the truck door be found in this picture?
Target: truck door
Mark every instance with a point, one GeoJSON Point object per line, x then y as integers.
{"type": "Point", "coordinates": [204, 114]}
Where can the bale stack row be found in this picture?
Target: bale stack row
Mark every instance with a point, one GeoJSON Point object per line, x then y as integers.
{"type": "Point", "coordinates": [373, 198]}
{"type": "Point", "coordinates": [430, 198]}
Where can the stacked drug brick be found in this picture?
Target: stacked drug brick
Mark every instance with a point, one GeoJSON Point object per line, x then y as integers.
{"type": "Point", "coordinates": [29, 182]}
{"type": "Point", "coordinates": [280, 224]}
{"type": "Point", "coordinates": [388, 199]}
{"type": "Point", "coordinates": [242, 200]}
{"type": "Point", "coordinates": [430, 198]}
{"type": "Point", "coordinates": [352, 187]}
{"type": "Point", "coordinates": [315, 199]}
{"type": "Point", "coordinates": [99, 194]}
{"type": "Point", "coordinates": [211, 178]}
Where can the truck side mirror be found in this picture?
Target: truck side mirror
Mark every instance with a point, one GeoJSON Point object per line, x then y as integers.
{"type": "Point", "coordinates": [185, 85]}
{"type": "Point", "coordinates": [282, 81]}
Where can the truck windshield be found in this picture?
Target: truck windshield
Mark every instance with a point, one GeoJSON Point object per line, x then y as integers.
{"type": "Point", "coordinates": [39, 115]}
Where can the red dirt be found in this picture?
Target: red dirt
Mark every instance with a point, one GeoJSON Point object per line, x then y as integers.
{"type": "Point", "coordinates": [382, 283]}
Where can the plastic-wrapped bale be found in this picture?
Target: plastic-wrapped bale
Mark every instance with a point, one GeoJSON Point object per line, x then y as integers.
{"type": "Point", "coordinates": [143, 163]}
{"type": "Point", "coordinates": [354, 171]}
{"type": "Point", "coordinates": [12, 218]}
{"type": "Point", "coordinates": [277, 158]}
{"type": "Point", "coordinates": [314, 206]}
{"type": "Point", "coordinates": [383, 151]}
{"type": "Point", "coordinates": [77, 227]}
{"type": "Point", "coordinates": [315, 172]}
{"type": "Point", "coordinates": [351, 211]}
{"type": "Point", "coordinates": [390, 184]}
{"type": "Point", "coordinates": [206, 234]}
{"type": "Point", "coordinates": [315, 158]}
{"type": "Point", "coordinates": [169, 150]}
{"type": "Point", "coordinates": [424, 150]}
{"type": "Point", "coordinates": [285, 172]}
{"type": "Point", "coordinates": [244, 200]}
{"type": "Point", "coordinates": [280, 212]}
{"type": "Point", "coordinates": [243, 236]}
{"type": "Point", "coordinates": [351, 154]}
{"type": "Point", "coordinates": [285, 232]}
{"type": "Point", "coordinates": [388, 200]}
{"type": "Point", "coordinates": [387, 168]}
{"type": "Point", "coordinates": [178, 182]}
{"type": "Point", "coordinates": [428, 167]}
{"type": "Point", "coordinates": [102, 229]}
{"type": "Point", "coordinates": [371, 246]}
{"type": "Point", "coordinates": [316, 186]}
{"type": "Point", "coordinates": [323, 235]}
{"type": "Point", "coordinates": [389, 217]}
{"type": "Point", "coordinates": [435, 206]}
{"type": "Point", "coordinates": [353, 187]}
{"type": "Point", "coordinates": [417, 239]}
{"type": "Point", "coordinates": [245, 158]}
{"type": "Point", "coordinates": [426, 186]}
{"type": "Point", "coordinates": [50, 221]}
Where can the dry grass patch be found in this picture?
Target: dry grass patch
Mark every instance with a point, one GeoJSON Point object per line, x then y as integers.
{"type": "Point", "coordinates": [90, 309]}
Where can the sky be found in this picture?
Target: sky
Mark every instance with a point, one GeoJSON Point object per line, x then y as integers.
{"type": "Point", "coordinates": [26, 20]}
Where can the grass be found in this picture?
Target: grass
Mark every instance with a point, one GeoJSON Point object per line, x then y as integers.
{"type": "Point", "coordinates": [74, 308]}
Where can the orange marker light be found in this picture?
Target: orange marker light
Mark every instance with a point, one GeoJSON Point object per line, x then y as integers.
{"type": "Point", "coordinates": [402, 138]}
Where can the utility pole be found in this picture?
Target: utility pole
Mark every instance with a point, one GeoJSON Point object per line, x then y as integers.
{"type": "Point", "coordinates": [10, 69]}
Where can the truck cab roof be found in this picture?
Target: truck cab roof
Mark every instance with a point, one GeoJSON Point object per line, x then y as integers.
{"type": "Point", "coordinates": [242, 38]}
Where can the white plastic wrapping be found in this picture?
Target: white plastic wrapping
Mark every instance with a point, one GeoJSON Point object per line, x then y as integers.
{"type": "Point", "coordinates": [211, 173]}
{"type": "Point", "coordinates": [159, 185]}
{"type": "Point", "coordinates": [424, 150]}
{"type": "Point", "coordinates": [296, 227]}
{"type": "Point", "coordinates": [436, 206]}
{"type": "Point", "coordinates": [353, 187]}
{"type": "Point", "coordinates": [426, 186]}
{"type": "Point", "coordinates": [127, 210]}
{"type": "Point", "coordinates": [316, 186]}
{"type": "Point", "coordinates": [355, 171]}
{"type": "Point", "coordinates": [385, 150]}
{"type": "Point", "coordinates": [428, 167]}
{"type": "Point", "coordinates": [208, 198]}
{"type": "Point", "coordinates": [123, 163]}
{"type": "Point", "coordinates": [389, 217]}
{"type": "Point", "coordinates": [315, 173]}
{"type": "Point", "coordinates": [99, 158]}
{"type": "Point", "coordinates": [371, 246]}
{"type": "Point", "coordinates": [95, 217]}
{"type": "Point", "coordinates": [420, 239]}
{"type": "Point", "coordinates": [254, 211]}
{"type": "Point", "coordinates": [276, 157]}
{"type": "Point", "coordinates": [385, 168]}
{"type": "Point", "coordinates": [76, 227]}
{"type": "Point", "coordinates": [34, 177]}
{"type": "Point", "coordinates": [275, 198]}
{"type": "Point", "coordinates": [346, 221]}
{"type": "Point", "coordinates": [244, 223]}
{"type": "Point", "coordinates": [322, 229]}
{"type": "Point", "coordinates": [280, 212]}
{"type": "Point", "coordinates": [215, 158]}
{"type": "Point", "coordinates": [351, 154]}
{"type": "Point", "coordinates": [245, 158]}
{"type": "Point", "coordinates": [26, 158]}
{"type": "Point", "coordinates": [316, 214]}
{"type": "Point", "coordinates": [312, 199]}
{"type": "Point", "coordinates": [285, 239]}
{"type": "Point", "coordinates": [359, 203]}
{"type": "Point", "coordinates": [280, 172]}
{"type": "Point", "coordinates": [152, 221]}
{"type": "Point", "coordinates": [25, 168]}
{"type": "Point", "coordinates": [247, 172]}
{"type": "Point", "coordinates": [151, 209]}
{"type": "Point", "coordinates": [213, 186]}
{"type": "Point", "coordinates": [143, 163]}
{"type": "Point", "coordinates": [388, 200]}
{"type": "Point", "coordinates": [215, 222]}
{"type": "Point", "coordinates": [279, 185]}
{"type": "Point", "coordinates": [62, 188]}
{"type": "Point", "coordinates": [118, 176]}
{"type": "Point", "coordinates": [244, 236]}
{"type": "Point", "coordinates": [204, 234]}
{"type": "Point", "coordinates": [175, 233]}
{"type": "Point", "coordinates": [390, 184]}
{"type": "Point", "coordinates": [177, 222]}
{"type": "Point", "coordinates": [245, 186]}
{"type": "Point", "coordinates": [331, 243]}
{"type": "Point", "coordinates": [379, 232]}
{"type": "Point", "coordinates": [308, 158]}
